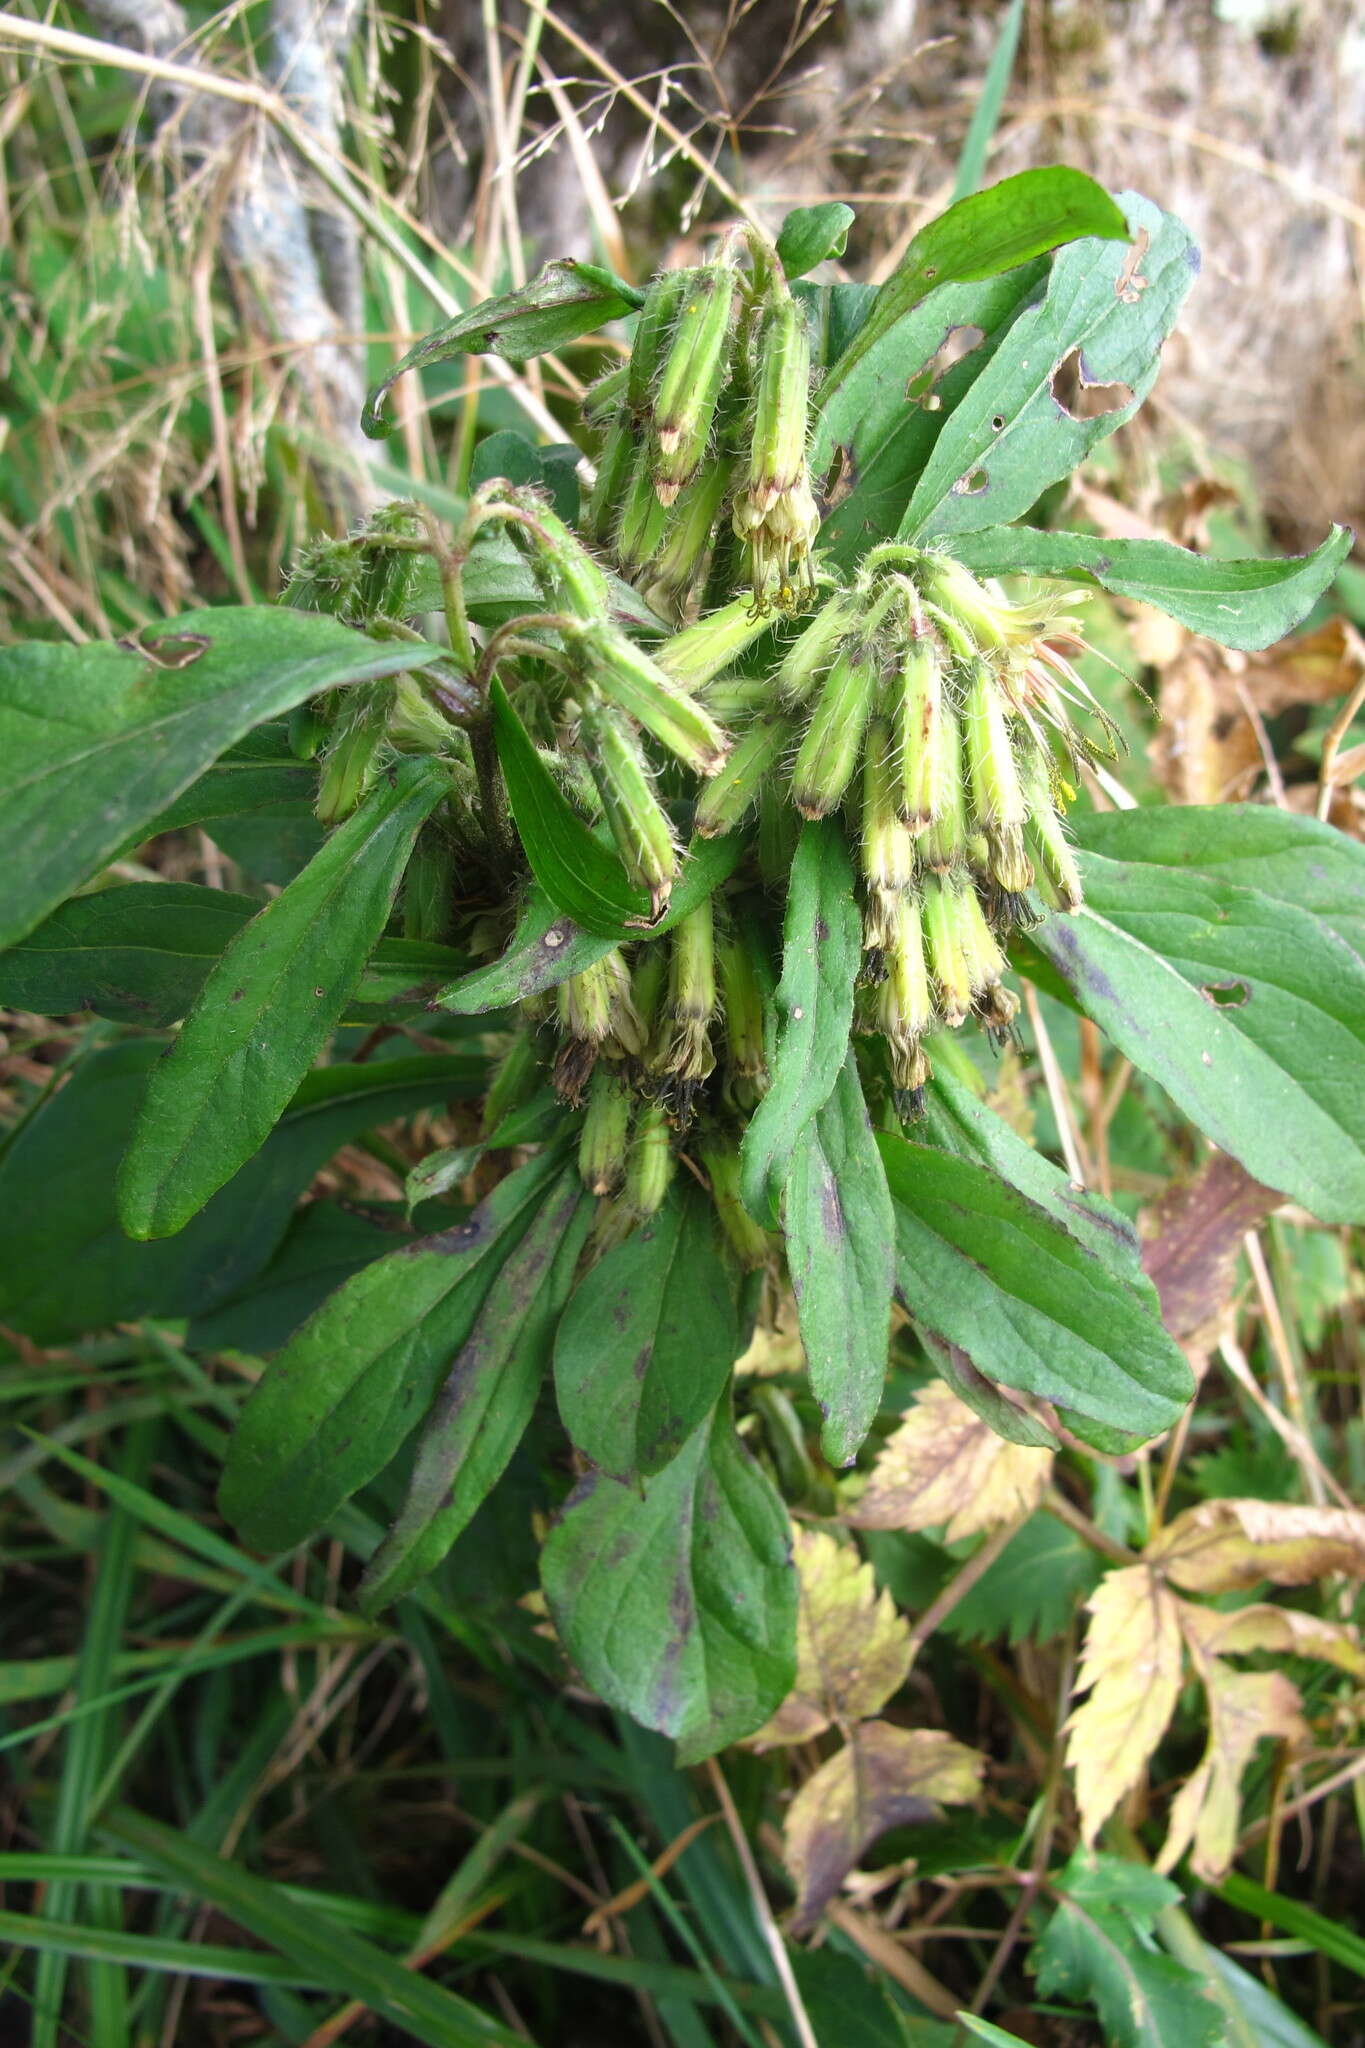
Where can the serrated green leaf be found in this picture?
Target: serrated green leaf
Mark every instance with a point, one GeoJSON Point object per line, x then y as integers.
{"type": "Point", "coordinates": [333, 1407]}
{"type": "Point", "coordinates": [1238, 995]}
{"type": "Point", "coordinates": [96, 742]}
{"type": "Point", "coordinates": [566, 301]}
{"type": "Point", "coordinates": [487, 1398]}
{"type": "Point", "coordinates": [267, 1009]}
{"type": "Point", "coordinates": [65, 1265]}
{"type": "Point", "coordinates": [840, 1233]}
{"type": "Point", "coordinates": [811, 233]}
{"type": "Point", "coordinates": [141, 953]}
{"type": "Point", "coordinates": [1009, 437]}
{"type": "Point", "coordinates": [1097, 1946]}
{"type": "Point", "coordinates": [993, 231]}
{"type": "Point", "coordinates": [647, 1342]}
{"type": "Point", "coordinates": [821, 955]}
{"type": "Point", "coordinates": [1032, 1591]}
{"type": "Point", "coordinates": [1247, 604]}
{"type": "Point", "coordinates": [981, 1266]}
{"type": "Point", "coordinates": [678, 1603]}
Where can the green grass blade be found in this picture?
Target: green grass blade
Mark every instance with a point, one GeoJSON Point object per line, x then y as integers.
{"type": "Point", "coordinates": [972, 161]}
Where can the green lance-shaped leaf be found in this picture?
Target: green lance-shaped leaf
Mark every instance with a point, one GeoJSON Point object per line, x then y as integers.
{"type": "Point", "coordinates": [646, 1345]}
{"type": "Point", "coordinates": [992, 231]}
{"type": "Point", "coordinates": [678, 1603]}
{"type": "Point", "coordinates": [822, 948]}
{"type": "Point", "coordinates": [268, 1008]}
{"type": "Point", "coordinates": [96, 742]}
{"type": "Point", "coordinates": [1108, 308]}
{"type": "Point", "coordinates": [487, 1399]}
{"type": "Point", "coordinates": [1217, 950]}
{"type": "Point", "coordinates": [567, 300]}
{"type": "Point", "coordinates": [140, 954]}
{"type": "Point", "coordinates": [1246, 604]}
{"type": "Point", "coordinates": [338, 1401]}
{"type": "Point", "coordinates": [840, 1231]}
{"type": "Point", "coordinates": [1033, 1306]}
{"type": "Point", "coordinates": [66, 1266]}
{"type": "Point", "coordinates": [811, 233]}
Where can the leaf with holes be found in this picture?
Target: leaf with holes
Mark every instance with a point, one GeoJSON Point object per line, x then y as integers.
{"type": "Point", "coordinates": [1209, 951]}
{"type": "Point", "coordinates": [1247, 604]}
{"type": "Point", "coordinates": [268, 1008]}
{"type": "Point", "coordinates": [1101, 323]}
{"type": "Point", "coordinates": [822, 950]}
{"type": "Point", "coordinates": [95, 742]}
{"type": "Point", "coordinates": [1032, 1305]}
{"type": "Point", "coordinates": [567, 300]}
{"type": "Point", "coordinates": [487, 1398]}
{"type": "Point", "coordinates": [678, 1602]}
{"type": "Point", "coordinates": [840, 1234]}
{"type": "Point", "coordinates": [647, 1343]}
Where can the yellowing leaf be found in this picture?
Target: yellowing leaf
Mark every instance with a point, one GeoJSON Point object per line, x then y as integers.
{"type": "Point", "coordinates": [852, 1648]}
{"type": "Point", "coordinates": [1132, 1670]}
{"type": "Point", "coordinates": [944, 1465]}
{"type": "Point", "coordinates": [883, 1778]}
{"type": "Point", "coordinates": [1226, 1546]}
{"type": "Point", "coordinates": [1262, 1627]}
{"type": "Point", "coordinates": [1244, 1707]}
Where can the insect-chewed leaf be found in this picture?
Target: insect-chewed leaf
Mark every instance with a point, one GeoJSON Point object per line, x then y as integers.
{"type": "Point", "coordinates": [944, 1467]}
{"type": "Point", "coordinates": [1131, 1668]}
{"type": "Point", "coordinates": [678, 1603]}
{"type": "Point", "coordinates": [1264, 1627]}
{"type": "Point", "coordinates": [1098, 1946]}
{"type": "Point", "coordinates": [852, 1648]}
{"type": "Point", "coordinates": [884, 1777]}
{"type": "Point", "coordinates": [1245, 1707]}
{"type": "Point", "coordinates": [1227, 1546]}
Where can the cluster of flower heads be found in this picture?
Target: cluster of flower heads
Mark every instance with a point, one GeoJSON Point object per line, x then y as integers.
{"type": "Point", "coordinates": [709, 417]}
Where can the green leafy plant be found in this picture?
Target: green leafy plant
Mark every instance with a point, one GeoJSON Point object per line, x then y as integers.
{"type": "Point", "coordinates": [680, 843]}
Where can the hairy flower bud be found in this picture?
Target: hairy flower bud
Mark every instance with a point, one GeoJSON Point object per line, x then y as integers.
{"type": "Point", "coordinates": [603, 1144]}
{"type": "Point", "coordinates": [650, 1164]}
{"type": "Point", "coordinates": [685, 1056]}
{"type": "Point", "coordinates": [643, 836]}
{"type": "Point", "coordinates": [352, 760]}
{"type": "Point", "coordinates": [732, 793]}
{"type": "Point", "coordinates": [746, 1064]}
{"type": "Point", "coordinates": [916, 701]}
{"type": "Point", "coordinates": [695, 370]}
{"type": "Point", "coordinates": [1048, 833]}
{"type": "Point", "coordinates": [631, 680]}
{"type": "Point", "coordinates": [748, 1240]}
{"type": "Point", "coordinates": [703, 651]}
{"type": "Point", "coordinates": [887, 849]}
{"type": "Point", "coordinates": [829, 752]}
{"type": "Point", "coordinates": [807, 660]}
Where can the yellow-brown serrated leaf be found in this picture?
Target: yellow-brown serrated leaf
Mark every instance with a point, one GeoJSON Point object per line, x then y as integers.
{"type": "Point", "coordinates": [882, 1778]}
{"type": "Point", "coordinates": [852, 1648]}
{"type": "Point", "coordinates": [1131, 1668]}
{"type": "Point", "coordinates": [944, 1465]}
{"type": "Point", "coordinates": [1244, 1707]}
{"type": "Point", "coordinates": [1226, 1546]}
{"type": "Point", "coordinates": [1263, 1627]}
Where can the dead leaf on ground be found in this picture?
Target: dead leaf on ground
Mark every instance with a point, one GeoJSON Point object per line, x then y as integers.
{"type": "Point", "coordinates": [884, 1777]}
{"type": "Point", "coordinates": [1228, 1546]}
{"type": "Point", "coordinates": [1131, 1669]}
{"type": "Point", "coordinates": [1245, 1707]}
{"type": "Point", "coordinates": [852, 1648]}
{"type": "Point", "coordinates": [1191, 1237]}
{"type": "Point", "coordinates": [945, 1467]}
